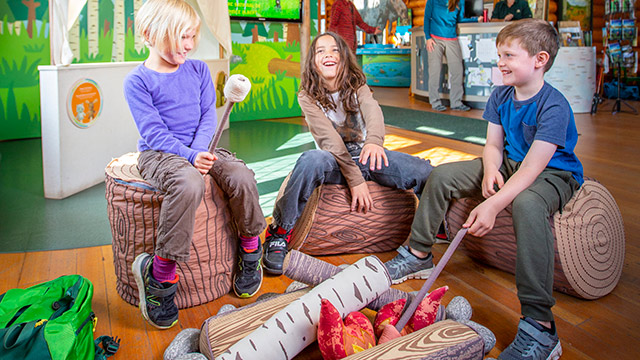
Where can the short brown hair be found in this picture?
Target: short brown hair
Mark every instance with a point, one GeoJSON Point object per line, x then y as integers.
{"type": "Point", "coordinates": [534, 35]}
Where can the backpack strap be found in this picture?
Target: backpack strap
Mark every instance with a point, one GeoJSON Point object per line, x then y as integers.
{"type": "Point", "coordinates": [19, 334]}
{"type": "Point", "coordinates": [67, 301]}
{"type": "Point", "coordinates": [106, 346]}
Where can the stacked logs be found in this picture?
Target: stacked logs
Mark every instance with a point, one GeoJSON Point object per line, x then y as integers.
{"type": "Point", "coordinates": [552, 12]}
{"type": "Point", "coordinates": [417, 10]}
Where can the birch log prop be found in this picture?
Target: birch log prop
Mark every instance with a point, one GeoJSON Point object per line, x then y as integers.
{"type": "Point", "coordinates": [220, 332]}
{"type": "Point", "coordinates": [293, 328]}
{"type": "Point", "coordinates": [311, 271]}
{"type": "Point", "coordinates": [235, 90]}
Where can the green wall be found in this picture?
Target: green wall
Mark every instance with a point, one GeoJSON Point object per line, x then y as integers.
{"type": "Point", "coordinates": [24, 45]}
{"type": "Point", "coordinates": [267, 53]}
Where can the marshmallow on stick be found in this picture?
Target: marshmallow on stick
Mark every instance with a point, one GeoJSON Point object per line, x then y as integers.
{"type": "Point", "coordinates": [235, 90]}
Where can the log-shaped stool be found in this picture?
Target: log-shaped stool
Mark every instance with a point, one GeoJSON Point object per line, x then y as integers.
{"type": "Point", "coordinates": [327, 225]}
{"type": "Point", "coordinates": [589, 247]}
{"type": "Point", "coordinates": [133, 207]}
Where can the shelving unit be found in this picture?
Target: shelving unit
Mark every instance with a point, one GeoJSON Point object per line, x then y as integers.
{"type": "Point", "coordinates": [616, 41]}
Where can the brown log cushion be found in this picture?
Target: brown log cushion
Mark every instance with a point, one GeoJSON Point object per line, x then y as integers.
{"type": "Point", "coordinates": [133, 207]}
{"type": "Point", "coordinates": [590, 242]}
{"type": "Point", "coordinates": [327, 225]}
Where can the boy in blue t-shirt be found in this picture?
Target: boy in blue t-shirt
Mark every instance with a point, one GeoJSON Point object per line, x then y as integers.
{"type": "Point", "coordinates": [528, 161]}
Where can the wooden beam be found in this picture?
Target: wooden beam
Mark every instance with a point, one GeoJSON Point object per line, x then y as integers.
{"type": "Point", "coordinates": [305, 32]}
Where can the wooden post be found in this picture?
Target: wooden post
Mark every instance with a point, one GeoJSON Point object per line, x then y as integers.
{"type": "Point", "coordinates": [305, 32]}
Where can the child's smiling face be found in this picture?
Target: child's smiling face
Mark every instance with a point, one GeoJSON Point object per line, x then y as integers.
{"type": "Point", "coordinates": [187, 43]}
{"type": "Point", "coordinates": [515, 64]}
{"type": "Point", "coordinates": [327, 59]}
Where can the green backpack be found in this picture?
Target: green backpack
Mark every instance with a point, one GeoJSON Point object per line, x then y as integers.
{"type": "Point", "coordinates": [52, 320]}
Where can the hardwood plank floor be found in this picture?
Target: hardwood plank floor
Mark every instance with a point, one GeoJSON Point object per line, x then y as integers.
{"type": "Point", "coordinates": [607, 328]}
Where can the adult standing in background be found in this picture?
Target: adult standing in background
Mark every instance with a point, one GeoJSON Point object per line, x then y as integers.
{"type": "Point", "coordinates": [508, 10]}
{"type": "Point", "coordinates": [441, 18]}
{"type": "Point", "coordinates": [344, 19]}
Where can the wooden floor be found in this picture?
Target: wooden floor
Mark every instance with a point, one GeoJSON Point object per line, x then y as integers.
{"type": "Point", "coordinates": [608, 328]}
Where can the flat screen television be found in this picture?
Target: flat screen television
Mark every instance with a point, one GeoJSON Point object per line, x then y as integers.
{"type": "Point", "coordinates": [266, 10]}
{"type": "Point", "coordinates": [473, 8]}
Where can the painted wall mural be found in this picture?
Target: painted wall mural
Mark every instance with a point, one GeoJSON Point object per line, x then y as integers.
{"type": "Point", "coordinates": [382, 12]}
{"type": "Point", "coordinates": [268, 53]}
{"type": "Point", "coordinates": [578, 10]}
{"type": "Point", "coordinates": [24, 45]}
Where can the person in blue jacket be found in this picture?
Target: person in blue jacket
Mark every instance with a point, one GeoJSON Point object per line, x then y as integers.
{"type": "Point", "coordinates": [441, 18]}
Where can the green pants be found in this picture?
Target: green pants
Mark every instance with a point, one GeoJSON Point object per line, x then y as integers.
{"type": "Point", "coordinates": [531, 211]}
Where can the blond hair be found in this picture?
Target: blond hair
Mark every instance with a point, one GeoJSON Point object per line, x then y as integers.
{"type": "Point", "coordinates": [534, 35]}
{"type": "Point", "coordinates": [162, 23]}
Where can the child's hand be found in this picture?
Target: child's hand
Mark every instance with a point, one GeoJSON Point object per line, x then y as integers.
{"type": "Point", "coordinates": [489, 181]}
{"type": "Point", "coordinates": [204, 161]}
{"type": "Point", "coordinates": [361, 200]}
{"type": "Point", "coordinates": [377, 155]}
{"type": "Point", "coordinates": [481, 219]}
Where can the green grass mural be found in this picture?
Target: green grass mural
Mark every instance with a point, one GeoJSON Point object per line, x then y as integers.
{"type": "Point", "coordinates": [20, 56]}
{"type": "Point", "coordinates": [274, 71]}
{"type": "Point", "coordinates": [269, 55]}
{"type": "Point", "coordinates": [25, 45]}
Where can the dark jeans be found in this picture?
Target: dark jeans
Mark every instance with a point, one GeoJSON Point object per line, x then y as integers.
{"type": "Point", "coordinates": [531, 210]}
{"type": "Point", "coordinates": [317, 167]}
{"type": "Point", "coordinates": [183, 188]}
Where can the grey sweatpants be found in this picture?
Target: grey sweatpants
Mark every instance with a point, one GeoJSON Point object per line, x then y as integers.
{"type": "Point", "coordinates": [183, 187]}
{"type": "Point", "coordinates": [531, 210]}
{"type": "Point", "coordinates": [450, 48]}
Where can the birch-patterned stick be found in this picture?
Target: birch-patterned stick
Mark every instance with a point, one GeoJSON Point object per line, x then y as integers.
{"type": "Point", "coordinates": [311, 271]}
{"type": "Point", "coordinates": [235, 90]}
{"type": "Point", "coordinates": [293, 328]}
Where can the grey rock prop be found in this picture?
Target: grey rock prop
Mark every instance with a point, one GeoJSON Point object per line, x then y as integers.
{"type": "Point", "coordinates": [191, 356]}
{"type": "Point", "coordinates": [296, 285]}
{"type": "Point", "coordinates": [225, 309]}
{"type": "Point", "coordinates": [459, 309]}
{"type": "Point", "coordinates": [267, 296]}
{"type": "Point", "coordinates": [486, 334]}
{"type": "Point", "coordinates": [187, 341]}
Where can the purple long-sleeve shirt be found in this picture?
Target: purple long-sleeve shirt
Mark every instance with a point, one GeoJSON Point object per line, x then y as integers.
{"type": "Point", "coordinates": [174, 112]}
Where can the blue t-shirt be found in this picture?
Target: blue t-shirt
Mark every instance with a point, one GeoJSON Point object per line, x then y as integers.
{"type": "Point", "coordinates": [546, 116]}
{"type": "Point", "coordinates": [174, 112]}
{"type": "Point", "coordinates": [441, 22]}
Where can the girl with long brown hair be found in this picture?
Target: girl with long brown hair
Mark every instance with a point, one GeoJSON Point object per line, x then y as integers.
{"type": "Point", "coordinates": [348, 127]}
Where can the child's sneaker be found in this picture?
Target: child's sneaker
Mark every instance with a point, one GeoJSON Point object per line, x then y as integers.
{"type": "Point", "coordinates": [275, 250]}
{"type": "Point", "coordinates": [248, 278]}
{"type": "Point", "coordinates": [156, 298]}
{"type": "Point", "coordinates": [407, 266]}
{"type": "Point", "coordinates": [532, 343]}
{"type": "Point", "coordinates": [461, 107]}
